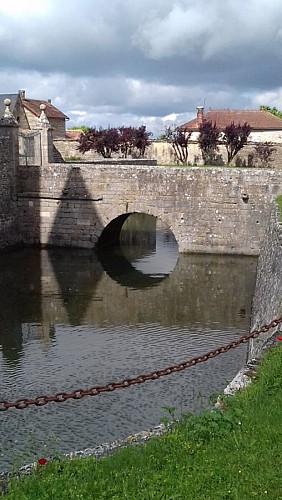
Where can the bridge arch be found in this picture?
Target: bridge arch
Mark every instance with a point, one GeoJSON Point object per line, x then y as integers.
{"type": "Point", "coordinates": [110, 235]}
{"type": "Point", "coordinates": [137, 248]}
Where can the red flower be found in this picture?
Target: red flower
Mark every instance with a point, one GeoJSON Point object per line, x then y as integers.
{"type": "Point", "coordinates": [42, 461]}
{"type": "Point", "coordinates": [279, 337]}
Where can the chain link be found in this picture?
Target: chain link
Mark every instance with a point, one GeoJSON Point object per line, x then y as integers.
{"type": "Point", "coordinates": [60, 397]}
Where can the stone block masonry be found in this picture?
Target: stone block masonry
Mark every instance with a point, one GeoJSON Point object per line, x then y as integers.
{"type": "Point", "coordinates": [267, 300]}
{"type": "Point", "coordinates": [9, 229]}
{"type": "Point", "coordinates": [209, 210]}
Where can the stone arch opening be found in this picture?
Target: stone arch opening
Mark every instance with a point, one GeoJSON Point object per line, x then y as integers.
{"type": "Point", "coordinates": [111, 234]}
{"type": "Point", "coordinates": [137, 249]}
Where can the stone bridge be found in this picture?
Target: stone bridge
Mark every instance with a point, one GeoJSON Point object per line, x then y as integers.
{"type": "Point", "coordinates": [211, 210]}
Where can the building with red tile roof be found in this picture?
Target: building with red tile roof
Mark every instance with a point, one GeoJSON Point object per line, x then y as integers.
{"type": "Point", "coordinates": [261, 120]}
{"type": "Point", "coordinates": [265, 127]}
{"type": "Point", "coordinates": [73, 135]}
{"type": "Point", "coordinates": [27, 112]}
{"type": "Point", "coordinates": [56, 118]}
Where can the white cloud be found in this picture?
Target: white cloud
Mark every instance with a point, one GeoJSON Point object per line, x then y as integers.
{"type": "Point", "coordinates": [175, 32]}
{"type": "Point", "coordinates": [170, 118]}
{"type": "Point", "coordinates": [19, 8]}
{"type": "Point", "coordinates": [271, 98]}
{"type": "Point", "coordinates": [144, 61]}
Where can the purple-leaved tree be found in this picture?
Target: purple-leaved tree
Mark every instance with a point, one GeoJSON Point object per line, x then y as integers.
{"type": "Point", "coordinates": [208, 141]}
{"type": "Point", "coordinates": [234, 138]}
{"type": "Point", "coordinates": [179, 139]}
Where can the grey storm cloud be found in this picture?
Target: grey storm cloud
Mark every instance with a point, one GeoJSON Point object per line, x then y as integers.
{"type": "Point", "coordinates": [142, 60]}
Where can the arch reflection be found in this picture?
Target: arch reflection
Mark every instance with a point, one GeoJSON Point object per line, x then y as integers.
{"type": "Point", "coordinates": [144, 253]}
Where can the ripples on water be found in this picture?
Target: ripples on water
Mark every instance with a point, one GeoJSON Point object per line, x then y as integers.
{"type": "Point", "coordinates": [69, 322]}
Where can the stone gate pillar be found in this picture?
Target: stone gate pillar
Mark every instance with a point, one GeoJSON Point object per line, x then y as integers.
{"type": "Point", "coordinates": [9, 162]}
{"type": "Point", "coordinates": [46, 143]}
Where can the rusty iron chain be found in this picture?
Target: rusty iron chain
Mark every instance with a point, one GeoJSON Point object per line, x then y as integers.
{"type": "Point", "coordinates": [60, 397]}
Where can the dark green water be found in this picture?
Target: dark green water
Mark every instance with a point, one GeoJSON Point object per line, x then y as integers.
{"type": "Point", "coordinates": [71, 320]}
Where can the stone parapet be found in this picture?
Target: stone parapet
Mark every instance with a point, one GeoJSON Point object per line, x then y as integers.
{"type": "Point", "coordinates": [209, 210]}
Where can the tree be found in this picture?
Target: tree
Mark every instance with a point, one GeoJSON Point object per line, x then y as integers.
{"type": "Point", "coordinates": [234, 138]}
{"type": "Point", "coordinates": [264, 152]}
{"type": "Point", "coordinates": [273, 111]}
{"type": "Point", "coordinates": [179, 139]}
{"type": "Point", "coordinates": [103, 141]}
{"type": "Point", "coordinates": [141, 139]}
{"type": "Point", "coordinates": [83, 128]}
{"type": "Point", "coordinates": [208, 141]}
{"type": "Point", "coordinates": [114, 140]}
{"type": "Point", "coordinates": [127, 139]}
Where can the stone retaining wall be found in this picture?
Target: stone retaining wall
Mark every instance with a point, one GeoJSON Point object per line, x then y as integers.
{"type": "Point", "coordinates": [267, 300]}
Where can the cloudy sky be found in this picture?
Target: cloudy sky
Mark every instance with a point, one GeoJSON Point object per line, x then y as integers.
{"type": "Point", "coordinates": [133, 62]}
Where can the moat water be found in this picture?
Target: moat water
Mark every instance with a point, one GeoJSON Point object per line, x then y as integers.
{"type": "Point", "coordinates": [70, 319]}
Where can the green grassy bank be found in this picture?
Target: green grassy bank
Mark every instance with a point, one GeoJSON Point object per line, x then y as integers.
{"type": "Point", "coordinates": [279, 205]}
{"type": "Point", "coordinates": [233, 453]}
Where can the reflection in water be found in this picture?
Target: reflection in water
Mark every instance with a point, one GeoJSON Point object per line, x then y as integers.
{"type": "Point", "coordinates": [118, 266]}
{"type": "Point", "coordinates": [162, 260]}
{"type": "Point", "coordinates": [154, 251]}
{"type": "Point", "coordinates": [147, 252]}
{"type": "Point", "coordinates": [65, 323]}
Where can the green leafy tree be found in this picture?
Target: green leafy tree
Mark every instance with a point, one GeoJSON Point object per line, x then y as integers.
{"type": "Point", "coordinates": [83, 128]}
{"type": "Point", "coordinates": [273, 111]}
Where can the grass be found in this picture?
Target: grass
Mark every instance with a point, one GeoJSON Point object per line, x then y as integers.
{"type": "Point", "coordinates": [72, 158]}
{"type": "Point", "coordinates": [279, 205]}
{"type": "Point", "coordinates": [225, 165]}
{"type": "Point", "coordinates": [233, 453]}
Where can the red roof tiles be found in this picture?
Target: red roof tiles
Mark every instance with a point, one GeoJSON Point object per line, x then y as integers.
{"type": "Point", "coordinates": [73, 135]}
{"type": "Point", "coordinates": [33, 105]}
{"type": "Point", "coordinates": [257, 119]}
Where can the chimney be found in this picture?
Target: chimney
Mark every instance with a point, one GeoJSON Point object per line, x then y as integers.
{"type": "Point", "coordinates": [49, 100]}
{"type": "Point", "coordinates": [200, 115]}
{"type": "Point", "coordinates": [22, 93]}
